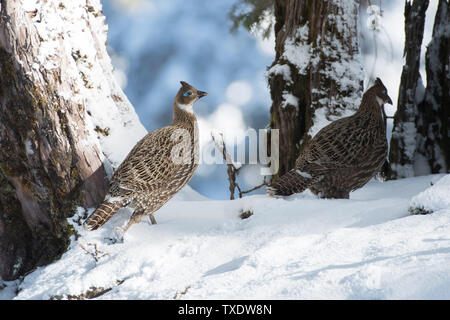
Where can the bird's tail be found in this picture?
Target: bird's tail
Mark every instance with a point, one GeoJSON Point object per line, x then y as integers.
{"type": "Point", "coordinates": [294, 181]}
{"type": "Point", "coordinates": [102, 214]}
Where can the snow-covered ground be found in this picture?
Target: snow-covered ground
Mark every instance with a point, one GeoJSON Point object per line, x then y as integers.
{"type": "Point", "coordinates": [298, 247]}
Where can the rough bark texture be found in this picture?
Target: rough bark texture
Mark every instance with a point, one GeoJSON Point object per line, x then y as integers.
{"type": "Point", "coordinates": [433, 123]}
{"type": "Point", "coordinates": [420, 141]}
{"type": "Point", "coordinates": [402, 148]}
{"type": "Point", "coordinates": [48, 163]}
{"type": "Point", "coordinates": [316, 76]}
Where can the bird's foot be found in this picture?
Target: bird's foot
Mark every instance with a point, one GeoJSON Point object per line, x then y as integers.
{"type": "Point", "coordinates": [152, 219]}
{"type": "Point", "coordinates": [117, 236]}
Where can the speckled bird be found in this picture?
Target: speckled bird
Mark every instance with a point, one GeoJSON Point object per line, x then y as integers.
{"type": "Point", "coordinates": [344, 155]}
{"type": "Point", "coordinates": [158, 166]}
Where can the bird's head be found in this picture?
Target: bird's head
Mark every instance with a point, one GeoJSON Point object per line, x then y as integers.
{"type": "Point", "coordinates": [380, 92]}
{"type": "Point", "coordinates": [187, 96]}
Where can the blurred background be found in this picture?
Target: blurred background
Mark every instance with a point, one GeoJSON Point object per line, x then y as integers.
{"type": "Point", "coordinates": [154, 44]}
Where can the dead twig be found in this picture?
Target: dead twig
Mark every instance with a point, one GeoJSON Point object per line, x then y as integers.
{"type": "Point", "coordinates": [264, 183]}
{"type": "Point", "coordinates": [97, 254]}
{"type": "Point", "coordinates": [232, 170]}
{"type": "Point", "coordinates": [182, 293]}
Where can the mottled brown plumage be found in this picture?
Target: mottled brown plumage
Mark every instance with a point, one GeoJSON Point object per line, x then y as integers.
{"type": "Point", "coordinates": [344, 155]}
{"type": "Point", "coordinates": [156, 168]}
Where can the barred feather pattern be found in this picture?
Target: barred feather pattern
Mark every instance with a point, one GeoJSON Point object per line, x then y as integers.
{"type": "Point", "coordinates": [148, 177]}
{"type": "Point", "coordinates": [294, 181]}
{"type": "Point", "coordinates": [102, 214]}
{"type": "Point", "coordinates": [343, 156]}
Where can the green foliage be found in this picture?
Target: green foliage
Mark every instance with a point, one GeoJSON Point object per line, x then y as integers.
{"type": "Point", "coordinates": [419, 210]}
{"type": "Point", "coordinates": [251, 14]}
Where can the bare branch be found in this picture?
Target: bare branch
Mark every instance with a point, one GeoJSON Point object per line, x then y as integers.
{"type": "Point", "coordinates": [264, 183]}
{"type": "Point", "coordinates": [232, 170]}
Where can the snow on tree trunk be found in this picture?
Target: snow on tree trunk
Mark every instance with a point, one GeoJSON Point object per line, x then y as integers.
{"type": "Point", "coordinates": [317, 75]}
{"type": "Point", "coordinates": [433, 120]}
{"type": "Point", "coordinates": [60, 113]}
{"type": "Point", "coordinates": [403, 141]}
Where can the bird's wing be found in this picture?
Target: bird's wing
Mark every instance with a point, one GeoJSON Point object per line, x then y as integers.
{"type": "Point", "coordinates": [149, 165]}
{"type": "Point", "coordinates": [342, 144]}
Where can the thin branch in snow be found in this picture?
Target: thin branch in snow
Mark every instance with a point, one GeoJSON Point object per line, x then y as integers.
{"type": "Point", "coordinates": [232, 170]}
{"type": "Point", "coordinates": [97, 254]}
{"type": "Point", "coordinates": [178, 294]}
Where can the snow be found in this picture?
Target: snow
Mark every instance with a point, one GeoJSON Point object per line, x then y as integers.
{"type": "Point", "coordinates": [8, 289]}
{"type": "Point", "coordinates": [297, 247]}
{"type": "Point", "coordinates": [435, 198]}
{"type": "Point", "coordinates": [405, 133]}
{"type": "Point", "coordinates": [88, 78]}
{"type": "Point", "coordinates": [281, 69]}
{"type": "Point", "coordinates": [296, 51]}
{"type": "Point", "coordinates": [29, 5]}
{"type": "Point", "coordinates": [343, 64]}
{"type": "Point", "coordinates": [289, 99]}
{"type": "Point", "coordinates": [374, 17]}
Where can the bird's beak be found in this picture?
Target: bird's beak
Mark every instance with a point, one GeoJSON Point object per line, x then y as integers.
{"type": "Point", "coordinates": [389, 100]}
{"type": "Point", "coordinates": [201, 94]}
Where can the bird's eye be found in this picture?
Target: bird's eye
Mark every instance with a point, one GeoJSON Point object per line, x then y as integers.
{"type": "Point", "coordinates": [384, 91]}
{"type": "Point", "coordinates": [188, 93]}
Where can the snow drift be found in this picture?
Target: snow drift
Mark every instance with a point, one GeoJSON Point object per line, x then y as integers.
{"type": "Point", "coordinates": [298, 247]}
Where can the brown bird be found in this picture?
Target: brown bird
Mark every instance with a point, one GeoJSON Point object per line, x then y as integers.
{"type": "Point", "coordinates": [344, 155]}
{"type": "Point", "coordinates": [158, 166]}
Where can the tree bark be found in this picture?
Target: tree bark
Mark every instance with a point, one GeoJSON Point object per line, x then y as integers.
{"type": "Point", "coordinates": [403, 141]}
{"type": "Point", "coordinates": [316, 77]}
{"type": "Point", "coordinates": [49, 161]}
{"type": "Point", "coordinates": [433, 121]}
{"type": "Point", "coordinates": [420, 141]}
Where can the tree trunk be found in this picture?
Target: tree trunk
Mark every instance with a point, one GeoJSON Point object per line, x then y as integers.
{"type": "Point", "coordinates": [317, 76]}
{"type": "Point", "coordinates": [433, 121]}
{"type": "Point", "coordinates": [420, 141]}
{"type": "Point", "coordinates": [54, 71]}
{"type": "Point", "coordinates": [403, 141]}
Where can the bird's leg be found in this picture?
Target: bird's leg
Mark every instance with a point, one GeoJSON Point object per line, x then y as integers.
{"type": "Point", "coordinates": [134, 219]}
